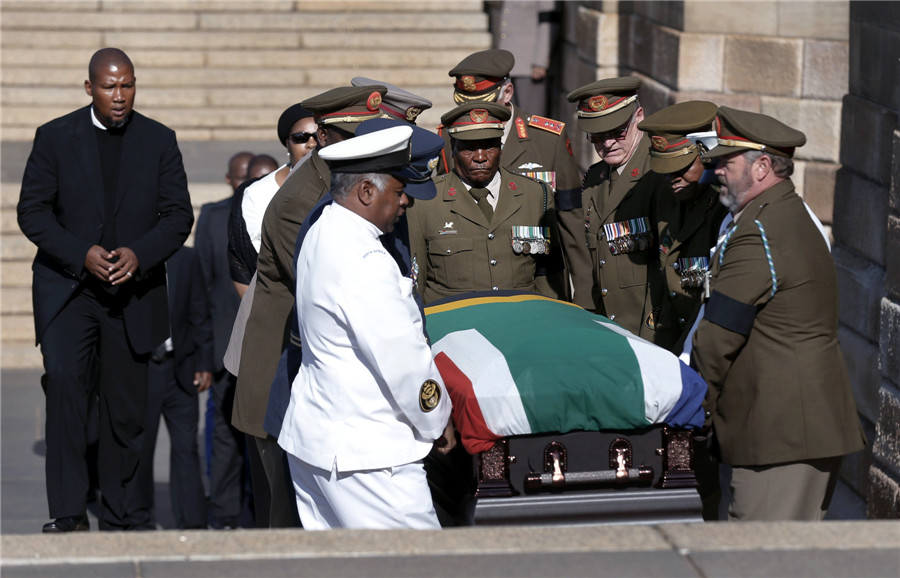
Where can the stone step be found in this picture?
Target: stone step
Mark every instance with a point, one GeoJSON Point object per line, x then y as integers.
{"type": "Point", "coordinates": [242, 5]}
{"type": "Point", "coordinates": [16, 300]}
{"type": "Point", "coordinates": [16, 248]}
{"type": "Point", "coordinates": [17, 328]}
{"type": "Point", "coordinates": [199, 40]}
{"type": "Point", "coordinates": [366, 19]}
{"type": "Point", "coordinates": [20, 356]}
{"type": "Point", "coordinates": [416, 80]}
{"type": "Point", "coordinates": [15, 273]}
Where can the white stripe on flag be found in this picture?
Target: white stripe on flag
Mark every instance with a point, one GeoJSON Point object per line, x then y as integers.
{"type": "Point", "coordinates": [488, 371]}
{"type": "Point", "coordinates": [660, 372]}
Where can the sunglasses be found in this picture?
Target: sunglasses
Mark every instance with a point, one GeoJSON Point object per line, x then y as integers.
{"type": "Point", "coordinates": [616, 134]}
{"type": "Point", "coordinates": [301, 137]}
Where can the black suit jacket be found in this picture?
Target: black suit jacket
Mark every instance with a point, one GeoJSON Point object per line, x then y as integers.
{"type": "Point", "coordinates": [211, 242]}
{"type": "Point", "coordinates": [192, 334]}
{"type": "Point", "coordinates": [61, 211]}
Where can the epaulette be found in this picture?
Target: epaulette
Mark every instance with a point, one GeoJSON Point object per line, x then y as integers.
{"type": "Point", "coordinates": [547, 124]}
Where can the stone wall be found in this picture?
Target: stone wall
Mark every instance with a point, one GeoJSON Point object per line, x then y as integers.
{"type": "Point", "coordinates": [831, 70]}
{"type": "Point", "coordinates": [781, 58]}
{"type": "Point", "coordinates": [867, 233]}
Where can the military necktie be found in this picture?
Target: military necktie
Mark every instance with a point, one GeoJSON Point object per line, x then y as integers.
{"type": "Point", "coordinates": [480, 195]}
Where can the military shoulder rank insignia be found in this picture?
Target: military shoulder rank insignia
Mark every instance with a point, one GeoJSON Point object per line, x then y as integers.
{"type": "Point", "coordinates": [547, 124]}
{"type": "Point", "coordinates": [429, 395]}
{"type": "Point", "coordinates": [520, 128]}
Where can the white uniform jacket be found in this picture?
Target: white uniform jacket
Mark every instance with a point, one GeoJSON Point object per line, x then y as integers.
{"type": "Point", "coordinates": [368, 395]}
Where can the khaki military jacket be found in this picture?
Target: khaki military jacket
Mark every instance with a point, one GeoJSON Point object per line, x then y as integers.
{"type": "Point", "coordinates": [268, 326]}
{"type": "Point", "coordinates": [778, 386]}
{"type": "Point", "coordinates": [620, 279]}
{"type": "Point", "coordinates": [687, 232]}
{"type": "Point", "coordinates": [455, 250]}
{"type": "Point", "coordinates": [540, 148]}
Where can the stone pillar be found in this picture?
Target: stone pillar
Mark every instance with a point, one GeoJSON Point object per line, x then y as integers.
{"type": "Point", "coordinates": [867, 232]}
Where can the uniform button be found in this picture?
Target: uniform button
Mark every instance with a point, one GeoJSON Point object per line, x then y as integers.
{"type": "Point", "coordinates": [448, 251]}
{"type": "Point", "coordinates": [604, 291]}
{"type": "Point", "coordinates": [490, 235]}
{"type": "Point", "coordinates": [671, 294]}
{"type": "Point", "coordinates": [612, 317]}
{"type": "Point", "coordinates": [681, 320]}
{"type": "Point", "coordinates": [495, 288]}
{"type": "Point", "coordinates": [503, 34]}
{"type": "Point", "coordinates": [602, 262]}
{"type": "Point", "coordinates": [493, 261]}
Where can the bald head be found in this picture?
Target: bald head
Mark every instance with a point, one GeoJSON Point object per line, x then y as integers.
{"type": "Point", "coordinates": [108, 58]}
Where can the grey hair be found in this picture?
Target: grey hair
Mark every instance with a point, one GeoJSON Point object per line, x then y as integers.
{"type": "Point", "coordinates": [783, 167]}
{"type": "Point", "coordinates": [343, 183]}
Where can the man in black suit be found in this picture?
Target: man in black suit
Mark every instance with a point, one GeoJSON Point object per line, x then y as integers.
{"type": "Point", "coordinates": [104, 197]}
{"type": "Point", "coordinates": [226, 496]}
{"type": "Point", "coordinates": [179, 369]}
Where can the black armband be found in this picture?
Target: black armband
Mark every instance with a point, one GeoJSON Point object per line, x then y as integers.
{"type": "Point", "coordinates": [730, 313]}
{"type": "Point", "coordinates": [568, 200]}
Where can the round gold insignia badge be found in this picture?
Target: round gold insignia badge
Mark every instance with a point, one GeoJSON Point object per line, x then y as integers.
{"type": "Point", "coordinates": [433, 163]}
{"type": "Point", "coordinates": [413, 112]}
{"type": "Point", "coordinates": [659, 143]}
{"type": "Point", "coordinates": [429, 395]}
{"type": "Point", "coordinates": [478, 115]}
{"type": "Point", "coordinates": [597, 102]}
{"type": "Point", "coordinates": [374, 101]}
{"type": "Point", "coordinates": [468, 83]}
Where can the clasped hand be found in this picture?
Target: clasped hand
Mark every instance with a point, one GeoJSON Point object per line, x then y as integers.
{"type": "Point", "coordinates": [114, 267]}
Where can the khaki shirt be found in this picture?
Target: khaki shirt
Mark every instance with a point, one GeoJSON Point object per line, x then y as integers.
{"type": "Point", "coordinates": [455, 250]}
{"type": "Point", "coordinates": [620, 282]}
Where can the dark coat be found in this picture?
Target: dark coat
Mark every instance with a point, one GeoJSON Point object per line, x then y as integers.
{"type": "Point", "coordinates": [61, 210]}
{"type": "Point", "coordinates": [192, 335]}
{"type": "Point", "coordinates": [779, 393]}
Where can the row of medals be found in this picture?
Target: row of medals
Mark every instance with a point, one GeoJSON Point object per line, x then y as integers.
{"type": "Point", "coordinates": [693, 278]}
{"type": "Point", "coordinates": [630, 243]}
{"type": "Point", "coordinates": [530, 246]}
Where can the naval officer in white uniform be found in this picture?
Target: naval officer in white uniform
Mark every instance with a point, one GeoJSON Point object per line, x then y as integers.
{"type": "Point", "coordinates": [368, 403]}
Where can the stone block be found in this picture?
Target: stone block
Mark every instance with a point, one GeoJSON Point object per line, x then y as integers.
{"type": "Point", "coordinates": [770, 66]}
{"type": "Point", "coordinates": [654, 96]}
{"type": "Point", "coordinates": [701, 62]}
{"type": "Point", "coordinates": [886, 446]}
{"type": "Point", "coordinates": [889, 356]}
{"type": "Point", "coordinates": [826, 20]}
{"type": "Point", "coordinates": [249, 97]}
{"type": "Point", "coordinates": [73, 97]}
{"type": "Point", "coordinates": [892, 267]}
{"type": "Point", "coordinates": [825, 69]}
{"type": "Point", "coordinates": [799, 178]}
{"type": "Point", "coordinates": [883, 14]}
{"type": "Point", "coordinates": [670, 14]}
{"type": "Point", "coordinates": [289, 59]}
{"type": "Point", "coordinates": [637, 51]}
{"type": "Point", "coordinates": [665, 56]}
{"type": "Point", "coordinates": [72, 38]}
{"type": "Point", "coordinates": [820, 120]}
{"type": "Point", "coordinates": [8, 222]}
{"type": "Point", "coordinates": [386, 5]}
{"type": "Point", "coordinates": [873, 76]}
{"type": "Point", "coordinates": [751, 102]}
{"type": "Point", "coordinates": [866, 138]}
{"type": "Point", "coordinates": [860, 289]}
{"type": "Point", "coordinates": [884, 495]}
{"type": "Point", "coordinates": [48, 6]}
{"type": "Point", "coordinates": [861, 357]}
{"type": "Point", "coordinates": [818, 189]}
{"type": "Point", "coordinates": [894, 202]}
{"type": "Point", "coordinates": [859, 215]}
{"type": "Point", "coordinates": [40, 76]}
{"type": "Point", "coordinates": [587, 34]}
{"type": "Point", "coordinates": [21, 357]}
{"type": "Point", "coordinates": [15, 273]}
{"type": "Point", "coordinates": [28, 118]}
{"type": "Point", "coordinates": [205, 5]}
{"type": "Point", "coordinates": [214, 80]}
{"type": "Point", "coordinates": [734, 17]}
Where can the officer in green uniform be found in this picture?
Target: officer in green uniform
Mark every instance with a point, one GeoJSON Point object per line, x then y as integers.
{"type": "Point", "coordinates": [533, 146]}
{"type": "Point", "coordinates": [689, 215]}
{"type": "Point", "coordinates": [780, 402]}
{"type": "Point", "coordinates": [619, 199]}
{"type": "Point", "coordinates": [487, 228]}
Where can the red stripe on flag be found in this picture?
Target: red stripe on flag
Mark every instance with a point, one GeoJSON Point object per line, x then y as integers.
{"type": "Point", "coordinates": [467, 416]}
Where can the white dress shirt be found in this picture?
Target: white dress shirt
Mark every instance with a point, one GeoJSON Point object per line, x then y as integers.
{"type": "Point", "coordinates": [253, 206]}
{"type": "Point", "coordinates": [355, 403]}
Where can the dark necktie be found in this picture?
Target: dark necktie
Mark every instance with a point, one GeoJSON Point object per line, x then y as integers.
{"type": "Point", "coordinates": [480, 196]}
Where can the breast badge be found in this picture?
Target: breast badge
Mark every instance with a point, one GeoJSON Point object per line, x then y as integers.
{"type": "Point", "coordinates": [429, 395]}
{"type": "Point", "coordinates": [530, 240]}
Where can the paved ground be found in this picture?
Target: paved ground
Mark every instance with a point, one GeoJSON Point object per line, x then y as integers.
{"type": "Point", "coordinates": [837, 548]}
